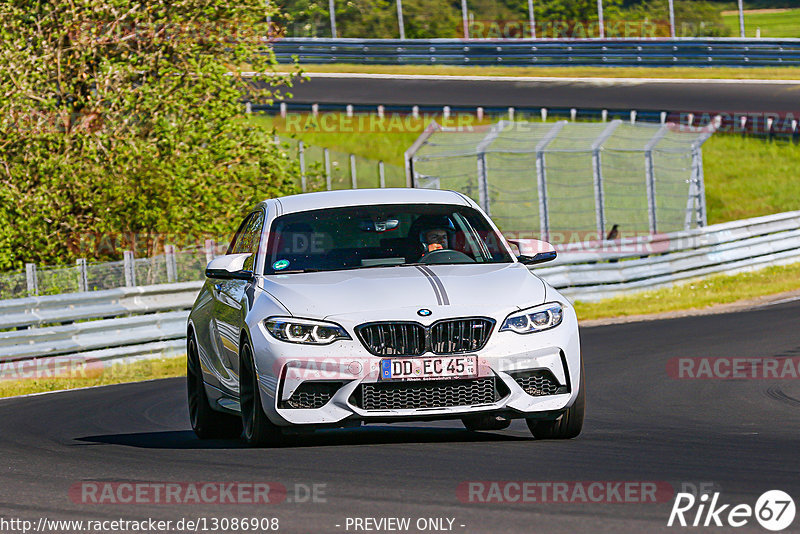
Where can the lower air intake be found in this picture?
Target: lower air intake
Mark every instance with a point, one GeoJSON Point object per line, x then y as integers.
{"type": "Point", "coordinates": [311, 395]}
{"type": "Point", "coordinates": [426, 394]}
{"type": "Point", "coordinates": [539, 383]}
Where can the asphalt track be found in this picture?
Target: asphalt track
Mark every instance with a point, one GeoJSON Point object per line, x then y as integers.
{"type": "Point", "coordinates": [721, 96]}
{"type": "Point", "coordinates": [739, 435]}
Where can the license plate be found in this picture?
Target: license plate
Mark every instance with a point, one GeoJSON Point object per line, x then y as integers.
{"type": "Point", "coordinates": [428, 368]}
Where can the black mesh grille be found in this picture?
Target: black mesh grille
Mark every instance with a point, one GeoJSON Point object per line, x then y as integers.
{"type": "Point", "coordinates": [312, 395]}
{"type": "Point", "coordinates": [460, 335]}
{"type": "Point", "coordinates": [451, 336]}
{"type": "Point", "coordinates": [539, 383]}
{"type": "Point", "coordinates": [426, 394]}
{"type": "Point", "coordinates": [393, 339]}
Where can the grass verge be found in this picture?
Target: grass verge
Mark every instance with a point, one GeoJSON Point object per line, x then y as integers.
{"type": "Point", "coordinates": [111, 373]}
{"type": "Point", "coordinates": [718, 289]}
{"type": "Point", "coordinates": [739, 73]}
{"type": "Point", "coordinates": [773, 23]}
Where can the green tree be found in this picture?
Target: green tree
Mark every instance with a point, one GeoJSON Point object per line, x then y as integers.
{"type": "Point", "coordinates": [124, 118]}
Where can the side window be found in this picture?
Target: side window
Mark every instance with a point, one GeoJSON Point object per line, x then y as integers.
{"type": "Point", "coordinates": [248, 239]}
{"type": "Point", "coordinates": [237, 237]}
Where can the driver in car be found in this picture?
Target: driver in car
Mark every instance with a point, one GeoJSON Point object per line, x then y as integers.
{"type": "Point", "coordinates": [435, 239]}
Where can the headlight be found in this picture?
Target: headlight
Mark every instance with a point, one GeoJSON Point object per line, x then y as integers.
{"type": "Point", "coordinates": [536, 319]}
{"type": "Point", "coordinates": [304, 331]}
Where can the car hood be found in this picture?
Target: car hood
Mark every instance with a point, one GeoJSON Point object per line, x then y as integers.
{"type": "Point", "coordinates": [384, 291]}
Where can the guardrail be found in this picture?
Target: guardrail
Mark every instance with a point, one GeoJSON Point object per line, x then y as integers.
{"type": "Point", "coordinates": [141, 322]}
{"type": "Point", "coordinates": [605, 269]}
{"type": "Point", "coordinates": [94, 326]}
{"type": "Point", "coordinates": [701, 52]}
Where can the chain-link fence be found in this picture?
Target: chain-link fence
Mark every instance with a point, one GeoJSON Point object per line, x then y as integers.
{"type": "Point", "coordinates": [331, 169]}
{"type": "Point", "coordinates": [564, 177]}
{"type": "Point", "coordinates": [172, 266]}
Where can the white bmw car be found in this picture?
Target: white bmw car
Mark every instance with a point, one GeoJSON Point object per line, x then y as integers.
{"type": "Point", "coordinates": [345, 308]}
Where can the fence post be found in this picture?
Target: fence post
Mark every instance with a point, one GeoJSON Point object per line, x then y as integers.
{"type": "Point", "coordinates": [83, 282]}
{"type": "Point", "coordinates": [531, 19]}
{"type": "Point", "coordinates": [483, 171]}
{"type": "Point", "coordinates": [302, 153]}
{"type": "Point", "coordinates": [597, 175]}
{"type": "Point", "coordinates": [541, 179]}
{"type": "Point", "coordinates": [600, 21]}
{"type": "Point", "coordinates": [32, 279]}
{"type": "Point", "coordinates": [381, 175]}
{"type": "Point", "coordinates": [327, 155]}
{"type": "Point", "coordinates": [353, 177]}
{"type": "Point", "coordinates": [172, 264]}
{"type": "Point", "coordinates": [401, 26]}
{"type": "Point", "coordinates": [332, 11]}
{"type": "Point", "coordinates": [130, 268]}
{"type": "Point", "coordinates": [210, 249]}
{"type": "Point", "coordinates": [650, 177]}
{"type": "Point", "coordinates": [464, 22]}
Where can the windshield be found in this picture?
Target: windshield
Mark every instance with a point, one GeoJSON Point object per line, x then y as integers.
{"type": "Point", "coordinates": [356, 237]}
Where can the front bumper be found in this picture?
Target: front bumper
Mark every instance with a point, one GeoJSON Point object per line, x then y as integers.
{"type": "Point", "coordinates": [286, 370]}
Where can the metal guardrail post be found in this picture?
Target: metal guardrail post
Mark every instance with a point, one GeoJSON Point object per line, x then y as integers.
{"type": "Point", "coordinates": [698, 180]}
{"type": "Point", "coordinates": [650, 177]}
{"type": "Point", "coordinates": [597, 174]}
{"type": "Point", "coordinates": [702, 219]}
{"type": "Point", "coordinates": [465, 18]}
{"type": "Point", "coordinates": [741, 19]}
{"type": "Point", "coordinates": [671, 19]}
{"type": "Point", "coordinates": [130, 268]}
{"type": "Point", "coordinates": [211, 247]}
{"type": "Point", "coordinates": [326, 154]}
{"type": "Point", "coordinates": [381, 175]}
{"type": "Point", "coordinates": [301, 149]}
{"type": "Point", "coordinates": [32, 279]}
{"type": "Point", "coordinates": [541, 179]}
{"type": "Point", "coordinates": [332, 11]}
{"type": "Point", "coordinates": [400, 24]}
{"type": "Point", "coordinates": [531, 19]}
{"type": "Point", "coordinates": [483, 171]}
{"type": "Point", "coordinates": [353, 177]}
{"type": "Point", "coordinates": [601, 22]}
{"type": "Point", "coordinates": [83, 282]}
{"type": "Point", "coordinates": [408, 155]}
{"type": "Point", "coordinates": [172, 264]}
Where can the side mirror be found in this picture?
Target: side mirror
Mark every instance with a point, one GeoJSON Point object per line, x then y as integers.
{"type": "Point", "coordinates": [540, 257]}
{"type": "Point", "coordinates": [229, 267]}
{"type": "Point", "coordinates": [535, 251]}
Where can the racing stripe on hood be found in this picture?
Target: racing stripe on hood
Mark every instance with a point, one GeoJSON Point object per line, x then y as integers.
{"type": "Point", "coordinates": [436, 284]}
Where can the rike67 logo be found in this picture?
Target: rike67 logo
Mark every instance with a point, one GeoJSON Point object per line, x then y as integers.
{"type": "Point", "coordinates": [774, 510]}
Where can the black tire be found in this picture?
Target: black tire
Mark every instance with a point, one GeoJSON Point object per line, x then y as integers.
{"type": "Point", "coordinates": [475, 423]}
{"type": "Point", "coordinates": [569, 424]}
{"type": "Point", "coordinates": [258, 430]}
{"type": "Point", "coordinates": [206, 423]}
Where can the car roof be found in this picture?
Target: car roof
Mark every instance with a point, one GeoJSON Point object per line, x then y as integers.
{"type": "Point", "coordinates": [362, 197]}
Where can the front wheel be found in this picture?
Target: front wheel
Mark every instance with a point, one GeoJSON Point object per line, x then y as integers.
{"type": "Point", "coordinates": [206, 423]}
{"type": "Point", "coordinates": [259, 431]}
{"type": "Point", "coordinates": [569, 424]}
